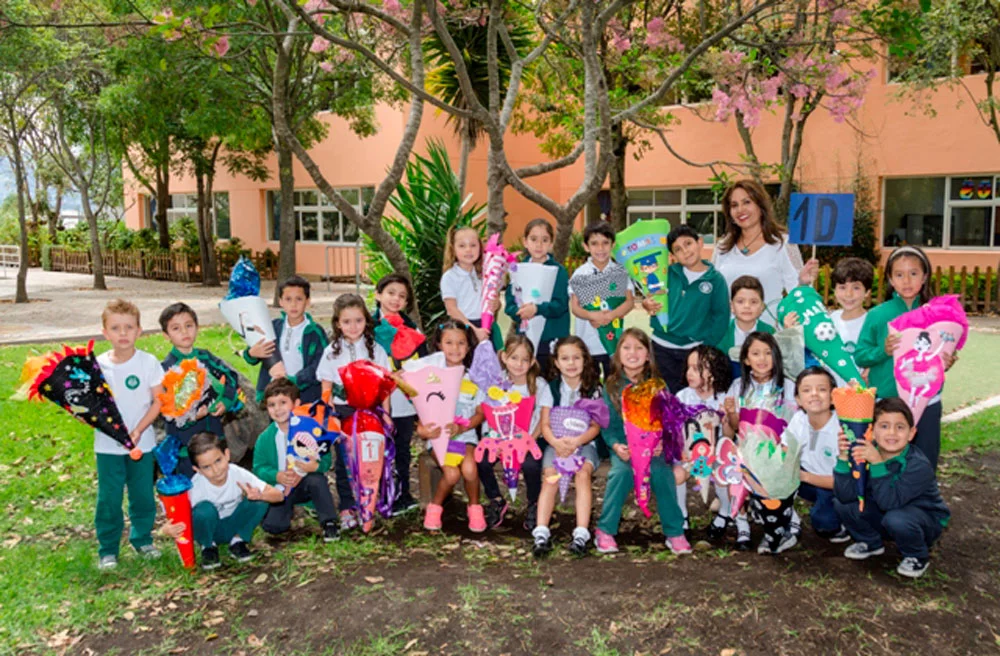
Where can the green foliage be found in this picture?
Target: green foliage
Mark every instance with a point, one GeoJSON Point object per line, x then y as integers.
{"type": "Point", "coordinates": [576, 254]}
{"type": "Point", "coordinates": [428, 205]}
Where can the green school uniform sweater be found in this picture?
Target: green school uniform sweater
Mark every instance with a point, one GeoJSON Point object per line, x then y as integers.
{"type": "Point", "coordinates": [870, 349]}
{"type": "Point", "coordinates": [698, 311]}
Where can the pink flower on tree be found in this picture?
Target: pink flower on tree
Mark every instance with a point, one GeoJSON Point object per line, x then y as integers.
{"type": "Point", "coordinates": [221, 46]}
{"type": "Point", "coordinates": [657, 36]}
{"type": "Point", "coordinates": [391, 6]}
{"type": "Point", "coordinates": [319, 44]}
{"type": "Point", "coordinates": [326, 66]}
{"type": "Point", "coordinates": [620, 40]}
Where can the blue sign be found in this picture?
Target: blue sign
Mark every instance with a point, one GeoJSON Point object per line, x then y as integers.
{"type": "Point", "coordinates": [821, 219]}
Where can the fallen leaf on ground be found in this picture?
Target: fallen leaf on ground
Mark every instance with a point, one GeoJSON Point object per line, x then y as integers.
{"type": "Point", "coordinates": [374, 579]}
{"type": "Point", "coordinates": [261, 578]}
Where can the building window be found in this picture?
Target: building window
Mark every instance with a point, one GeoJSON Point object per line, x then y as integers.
{"type": "Point", "coordinates": [317, 220]}
{"type": "Point", "coordinates": [942, 212]}
{"type": "Point", "coordinates": [698, 208]}
{"type": "Point", "coordinates": [185, 206]}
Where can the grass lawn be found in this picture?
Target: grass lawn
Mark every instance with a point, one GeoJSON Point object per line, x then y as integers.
{"type": "Point", "coordinates": [52, 589]}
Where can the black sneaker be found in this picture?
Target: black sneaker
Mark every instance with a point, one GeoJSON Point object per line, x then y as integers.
{"type": "Point", "coordinates": [742, 534]}
{"type": "Point", "coordinates": [241, 552]}
{"type": "Point", "coordinates": [403, 505]}
{"type": "Point", "coordinates": [495, 512]}
{"type": "Point", "coordinates": [687, 529]}
{"type": "Point", "coordinates": [912, 567]}
{"type": "Point", "coordinates": [578, 547]}
{"type": "Point", "coordinates": [210, 558]}
{"type": "Point", "coordinates": [330, 532]}
{"type": "Point", "coordinates": [531, 517]}
{"type": "Point", "coordinates": [717, 528]}
{"type": "Point", "coordinates": [542, 546]}
{"type": "Point", "coordinates": [840, 536]}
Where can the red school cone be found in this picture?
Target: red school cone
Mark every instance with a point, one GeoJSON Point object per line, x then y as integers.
{"type": "Point", "coordinates": [177, 508]}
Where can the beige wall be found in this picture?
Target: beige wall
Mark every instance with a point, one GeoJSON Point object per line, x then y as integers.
{"type": "Point", "coordinates": [892, 139]}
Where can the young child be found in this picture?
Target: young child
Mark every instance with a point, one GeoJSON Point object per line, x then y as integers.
{"type": "Point", "coordinates": [353, 339]}
{"type": "Point", "coordinates": [699, 307]}
{"type": "Point", "coordinates": [762, 378]}
{"type": "Point", "coordinates": [902, 501]}
{"type": "Point", "coordinates": [598, 239]}
{"type": "Point", "coordinates": [393, 298]}
{"type": "Point", "coordinates": [747, 304]}
{"type": "Point", "coordinates": [518, 360]}
{"type": "Point", "coordinates": [304, 483]}
{"type": "Point", "coordinates": [538, 238]}
{"type": "Point", "coordinates": [180, 325]}
{"type": "Point", "coordinates": [908, 273]}
{"type": "Point", "coordinates": [632, 363]}
{"type": "Point", "coordinates": [134, 377]}
{"type": "Point", "coordinates": [299, 340]}
{"type": "Point", "coordinates": [574, 376]}
{"type": "Point", "coordinates": [457, 341]}
{"type": "Point", "coordinates": [461, 283]}
{"type": "Point", "coordinates": [227, 502]}
{"type": "Point", "coordinates": [815, 426]}
{"type": "Point", "coordinates": [852, 286]}
{"type": "Point", "coordinates": [708, 378]}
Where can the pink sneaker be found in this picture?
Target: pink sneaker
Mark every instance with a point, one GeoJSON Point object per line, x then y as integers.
{"type": "Point", "coordinates": [477, 519]}
{"type": "Point", "coordinates": [679, 545]}
{"type": "Point", "coordinates": [605, 542]}
{"type": "Point", "coordinates": [432, 518]}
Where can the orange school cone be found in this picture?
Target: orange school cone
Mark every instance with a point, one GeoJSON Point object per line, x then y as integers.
{"type": "Point", "coordinates": [177, 507]}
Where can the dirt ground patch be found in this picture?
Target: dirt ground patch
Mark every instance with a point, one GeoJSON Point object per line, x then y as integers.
{"type": "Point", "coordinates": [403, 592]}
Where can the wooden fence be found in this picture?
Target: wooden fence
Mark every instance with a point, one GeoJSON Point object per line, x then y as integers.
{"type": "Point", "coordinates": [977, 289]}
{"type": "Point", "coordinates": [151, 265]}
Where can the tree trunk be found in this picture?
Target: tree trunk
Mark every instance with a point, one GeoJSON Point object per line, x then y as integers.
{"type": "Point", "coordinates": [21, 295]}
{"type": "Point", "coordinates": [286, 228]}
{"type": "Point", "coordinates": [616, 179]}
{"type": "Point", "coordinates": [209, 272]}
{"type": "Point", "coordinates": [210, 276]}
{"type": "Point", "coordinates": [564, 230]}
{"type": "Point", "coordinates": [496, 181]}
{"type": "Point", "coordinates": [97, 262]}
{"type": "Point", "coordinates": [162, 200]}
{"type": "Point", "coordinates": [54, 216]}
{"type": "Point", "coordinates": [463, 162]}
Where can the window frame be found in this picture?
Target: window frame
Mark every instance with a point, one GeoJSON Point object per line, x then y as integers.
{"type": "Point", "coordinates": [175, 213]}
{"type": "Point", "coordinates": [322, 205]}
{"type": "Point", "coordinates": [948, 204]}
{"type": "Point", "coordinates": [681, 209]}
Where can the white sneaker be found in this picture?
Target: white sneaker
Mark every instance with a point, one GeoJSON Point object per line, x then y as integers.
{"type": "Point", "coordinates": [787, 542]}
{"type": "Point", "coordinates": [861, 551]}
{"type": "Point", "coordinates": [912, 567]}
{"type": "Point", "coordinates": [107, 562]}
{"type": "Point", "coordinates": [149, 552]}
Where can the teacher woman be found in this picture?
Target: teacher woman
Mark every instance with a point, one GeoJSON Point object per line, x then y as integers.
{"type": "Point", "coordinates": [755, 244]}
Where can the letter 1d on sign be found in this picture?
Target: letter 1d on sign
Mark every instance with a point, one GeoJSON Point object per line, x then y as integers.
{"type": "Point", "coordinates": [821, 219]}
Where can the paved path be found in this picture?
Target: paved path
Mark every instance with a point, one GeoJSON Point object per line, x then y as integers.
{"type": "Point", "coordinates": [65, 305]}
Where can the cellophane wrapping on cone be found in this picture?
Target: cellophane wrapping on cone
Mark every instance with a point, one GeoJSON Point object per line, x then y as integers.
{"type": "Point", "coordinates": [643, 431]}
{"type": "Point", "coordinates": [495, 262]}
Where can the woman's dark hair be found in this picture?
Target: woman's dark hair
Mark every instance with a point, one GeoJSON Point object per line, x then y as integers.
{"type": "Point", "coordinates": [715, 365]}
{"type": "Point", "coordinates": [777, 368]}
{"type": "Point", "coordinates": [814, 371]}
{"type": "Point", "coordinates": [772, 230]}
{"type": "Point", "coordinates": [917, 253]}
{"type": "Point", "coordinates": [589, 380]}
{"type": "Point", "coordinates": [470, 337]}
{"type": "Point", "coordinates": [616, 381]}
{"type": "Point", "coordinates": [396, 278]}
{"type": "Point", "coordinates": [345, 302]}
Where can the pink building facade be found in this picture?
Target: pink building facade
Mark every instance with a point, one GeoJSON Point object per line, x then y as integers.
{"type": "Point", "coordinates": [936, 180]}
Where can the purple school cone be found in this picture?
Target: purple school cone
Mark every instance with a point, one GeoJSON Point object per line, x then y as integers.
{"type": "Point", "coordinates": [855, 408]}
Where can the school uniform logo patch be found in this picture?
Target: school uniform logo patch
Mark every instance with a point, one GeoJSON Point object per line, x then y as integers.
{"type": "Point", "coordinates": [132, 381]}
{"type": "Point", "coordinates": [705, 287]}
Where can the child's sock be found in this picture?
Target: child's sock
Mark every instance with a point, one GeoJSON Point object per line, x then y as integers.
{"type": "Point", "coordinates": [580, 532]}
{"type": "Point", "coordinates": [682, 498]}
{"type": "Point", "coordinates": [542, 532]}
{"type": "Point", "coordinates": [723, 496]}
{"type": "Point", "coordinates": [742, 528]}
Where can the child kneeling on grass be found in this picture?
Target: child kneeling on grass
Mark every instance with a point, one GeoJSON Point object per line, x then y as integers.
{"type": "Point", "coordinates": [902, 501]}
{"type": "Point", "coordinates": [227, 502]}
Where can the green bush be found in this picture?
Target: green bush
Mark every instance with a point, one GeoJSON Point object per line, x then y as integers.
{"type": "Point", "coordinates": [428, 205]}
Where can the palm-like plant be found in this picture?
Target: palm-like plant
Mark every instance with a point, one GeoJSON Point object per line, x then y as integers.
{"type": "Point", "coordinates": [441, 79]}
{"type": "Point", "coordinates": [429, 203]}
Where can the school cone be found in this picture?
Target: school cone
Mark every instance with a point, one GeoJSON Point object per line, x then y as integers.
{"type": "Point", "coordinates": [855, 408]}
{"type": "Point", "coordinates": [177, 508]}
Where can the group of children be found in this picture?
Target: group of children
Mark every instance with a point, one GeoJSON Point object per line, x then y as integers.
{"type": "Point", "coordinates": [706, 322]}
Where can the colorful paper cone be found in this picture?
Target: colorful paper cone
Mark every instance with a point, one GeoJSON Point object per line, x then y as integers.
{"type": "Point", "coordinates": [855, 408]}
{"type": "Point", "coordinates": [495, 262]}
{"type": "Point", "coordinates": [820, 333]}
{"type": "Point", "coordinates": [643, 431]}
{"type": "Point", "coordinates": [437, 390]}
{"type": "Point", "coordinates": [533, 283]}
{"type": "Point", "coordinates": [570, 421]}
{"type": "Point", "coordinates": [246, 311]}
{"type": "Point", "coordinates": [603, 291]}
{"type": "Point", "coordinates": [938, 327]}
{"type": "Point", "coordinates": [642, 249]}
{"type": "Point", "coordinates": [177, 508]}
